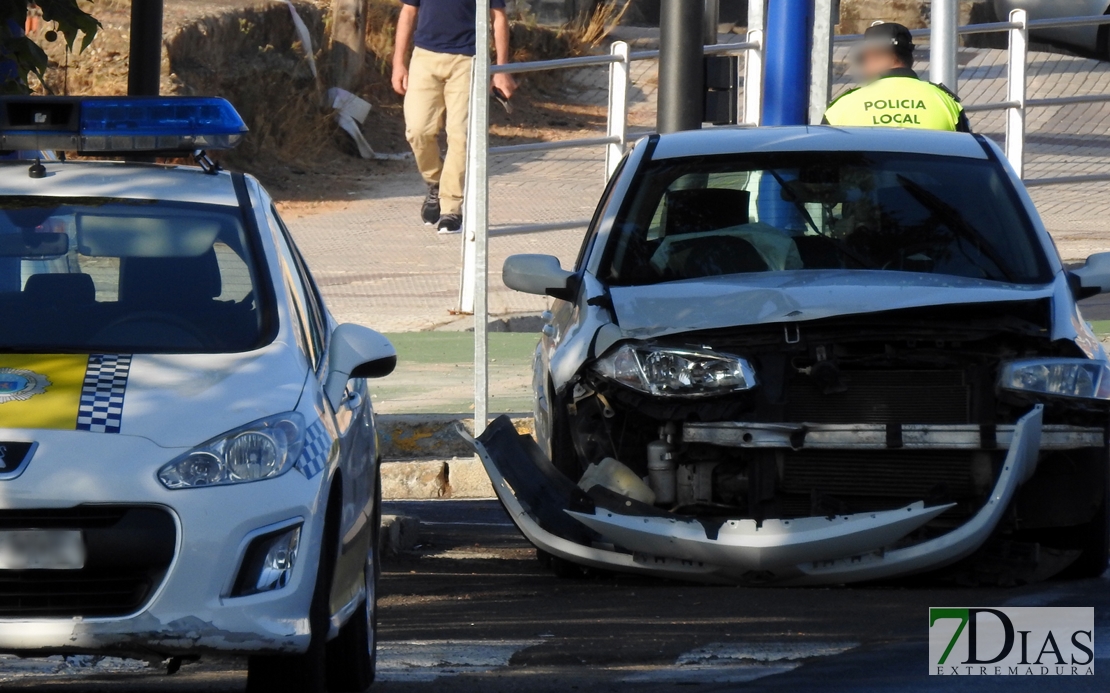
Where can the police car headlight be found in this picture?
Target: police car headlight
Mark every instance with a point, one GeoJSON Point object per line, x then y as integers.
{"type": "Point", "coordinates": [262, 450]}
{"type": "Point", "coordinates": [1077, 378]}
{"type": "Point", "coordinates": [667, 372]}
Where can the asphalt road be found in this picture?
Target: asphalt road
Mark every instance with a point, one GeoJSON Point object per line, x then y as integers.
{"type": "Point", "coordinates": [472, 611]}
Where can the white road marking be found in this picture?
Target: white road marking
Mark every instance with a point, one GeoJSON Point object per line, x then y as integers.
{"type": "Point", "coordinates": [730, 662]}
{"type": "Point", "coordinates": [427, 660]}
{"type": "Point", "coordinates": [13, 668]}
{"type": "Point", "coordinates": [708, 673]}
{"type": "Point", "coordinates": [465, 555]}
{"type": "Point", "coordinates": [782, 651]}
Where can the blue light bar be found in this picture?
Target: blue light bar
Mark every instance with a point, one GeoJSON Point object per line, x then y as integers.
{"type": "Point", "coordinates": [101, 125]}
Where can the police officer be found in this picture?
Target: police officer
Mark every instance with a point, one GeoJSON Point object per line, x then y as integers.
{"type": "Point", "coordinates": [894, 96]}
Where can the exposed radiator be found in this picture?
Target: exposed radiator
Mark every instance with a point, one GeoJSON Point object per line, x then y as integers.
{"type": "Point", "coordinates": [936, 397]}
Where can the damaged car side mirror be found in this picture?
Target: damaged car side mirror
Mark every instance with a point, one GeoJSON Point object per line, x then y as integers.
{"type": "Point", "coordinates": [541, 275]}
{"type": "Point", "coordinates": [1094, 275]}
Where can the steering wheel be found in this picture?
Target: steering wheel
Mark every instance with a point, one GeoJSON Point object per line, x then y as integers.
{"type": "Point", "coordinates": [155, 316]}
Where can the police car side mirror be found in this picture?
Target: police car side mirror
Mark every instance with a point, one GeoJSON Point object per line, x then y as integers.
{"type": "Point", "coordinates": [356, 352]}
{"type": "Point", "coordinates": [1094, 275]}
{"type": "Point", "coordinates": [541, 275]}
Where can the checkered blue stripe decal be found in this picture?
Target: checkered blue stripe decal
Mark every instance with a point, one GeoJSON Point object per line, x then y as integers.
{"type": "Point", "coordinates": [317, 446]}
{"type": "Point", "coordinates": [101, 406]}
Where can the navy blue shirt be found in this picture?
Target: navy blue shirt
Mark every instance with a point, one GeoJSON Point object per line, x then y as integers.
{"type": "Point", "coordinates": [447, 26]}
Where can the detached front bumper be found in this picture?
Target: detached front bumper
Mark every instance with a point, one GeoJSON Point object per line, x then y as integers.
{"type": "Point", "coordinates": [188, 609]}
{"type": "Point", "coordinates": [612, 532]}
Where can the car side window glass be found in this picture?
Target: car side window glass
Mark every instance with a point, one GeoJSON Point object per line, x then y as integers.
{"type": "Point", "coordinates": [606, 198]}
{"type": "Point", "coordinates": [291, 280]}
{"type": "Point", "coordinates": [314, 311]}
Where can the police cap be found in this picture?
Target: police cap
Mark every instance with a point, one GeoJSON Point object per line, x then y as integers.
{"type": "Point", "coordinates": [891, 36]}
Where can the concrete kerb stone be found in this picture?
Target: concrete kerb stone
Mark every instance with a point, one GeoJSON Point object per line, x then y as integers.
{"type": "Point", "coordinates": [431, 436]}
{"type": "Point", "coordinates": [425, 458]}
{"type": "Point", "coordinates": [398, 533]}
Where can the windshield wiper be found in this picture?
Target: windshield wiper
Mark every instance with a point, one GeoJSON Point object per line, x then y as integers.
{"type": "Point", "coordinates": [953, 219]}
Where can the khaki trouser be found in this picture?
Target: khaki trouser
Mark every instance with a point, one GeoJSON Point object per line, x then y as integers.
{"type": "Point", "coordinates": [438, 95]}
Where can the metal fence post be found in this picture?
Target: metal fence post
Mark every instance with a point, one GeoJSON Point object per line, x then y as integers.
{"type": "Point", "coordinates": [619, 80]}
{"type": "Point", "coordinates": [1016, 91]}
{"type": "Point", "coordinates": [753, 80]}
{"type": "Point", "coordinates": [943, 42]}
{"type": "Point", "coordinates": [476, 211]}
{"type": "Point", "coordinates": [753, 64]}
{"type": "Point", "coordinates": [821, 65]}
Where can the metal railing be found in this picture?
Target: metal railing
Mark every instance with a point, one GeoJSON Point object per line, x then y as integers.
{"type": "Point", "coordinates": [616, 138]}
{"type": "Point", "coordinates": [1018, 103]}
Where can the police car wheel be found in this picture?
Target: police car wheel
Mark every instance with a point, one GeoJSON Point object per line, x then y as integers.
{"type": "Point", "coordinates": [352, 657]}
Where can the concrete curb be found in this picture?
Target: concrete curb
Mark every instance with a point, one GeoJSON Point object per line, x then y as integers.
{"type": "Point", "coordinates": [399, 533]}
{"type": "Point", "coordinates": [458, 478]}
{"type": "Point", "coordinates": [431, 436]}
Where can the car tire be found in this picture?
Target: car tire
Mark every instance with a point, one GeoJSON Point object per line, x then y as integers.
{"type": "Point", "coordinates": [352, 657]}
{"type": "Point", "coordinates": [561, 567]}
{"type": "Point", "coordinates": [563, 455]}
{"type": "Point", "coordinates": [307, 672]}
{"type": "Point", "coordinates": [1094, 541]}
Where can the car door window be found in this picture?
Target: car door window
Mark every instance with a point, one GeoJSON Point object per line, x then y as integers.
{"type": "Point", "coordinates": [298, 298]}
{"type": "Point", "coordinates": [314, 308]}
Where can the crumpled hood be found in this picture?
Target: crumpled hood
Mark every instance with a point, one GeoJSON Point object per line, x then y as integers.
{"type": "Point", "coordinates": [184, 400]}
{"type": "Point", "coordinates": [782, 297]}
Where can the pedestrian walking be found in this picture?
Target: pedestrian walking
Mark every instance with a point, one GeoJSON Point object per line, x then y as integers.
{"type": "Point", "coordinates": [894, 96]}
{"type": "Point", "coordinates": [436, 85]}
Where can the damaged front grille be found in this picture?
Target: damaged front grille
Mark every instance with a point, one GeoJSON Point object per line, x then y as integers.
{"type": "Point", "coordinates": [881, 397]}
{"type": "Point", "coordinates": [879, 480]}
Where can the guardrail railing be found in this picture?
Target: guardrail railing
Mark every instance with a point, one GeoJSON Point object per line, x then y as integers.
{"type": "Point", "coordinates": [1018, 103]}
{"type": "Point", "coordinates": [615, 140]}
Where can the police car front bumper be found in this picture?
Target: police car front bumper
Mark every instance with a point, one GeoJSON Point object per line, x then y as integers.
{"type": "Point", "coordinates": [188, 608]}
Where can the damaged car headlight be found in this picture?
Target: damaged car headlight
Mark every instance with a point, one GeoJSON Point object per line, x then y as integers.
{"type": "Point", "coordinates": [261, 450]}
{"type": "Point", "coordinates": [1058, 377]}
{"type": "Point", "coordinates": [670, 372]}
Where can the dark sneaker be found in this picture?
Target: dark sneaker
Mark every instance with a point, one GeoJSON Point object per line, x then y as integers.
{"type": "Point", "coordinates": [430, 211]}
{"type": "Point", "coordinates": [450, 223]}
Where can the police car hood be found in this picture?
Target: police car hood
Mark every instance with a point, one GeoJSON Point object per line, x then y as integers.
{"type": "Point", "coordinates": [173, 400]}
{"type": "Point", "coordinates": [784, 297]}
{"type": "Point", "coordinates": [184, 400]}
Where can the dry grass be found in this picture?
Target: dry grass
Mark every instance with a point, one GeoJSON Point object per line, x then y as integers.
{"type": "Point", "coordinates": [254, 59]}
{"type": "Point", "coordinates": [592, 28]}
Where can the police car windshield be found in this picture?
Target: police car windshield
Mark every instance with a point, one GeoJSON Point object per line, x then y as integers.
{"type": "Point", "coordinates": [124, 276]}
{"type": "Point", "coordinates": [710, 216]}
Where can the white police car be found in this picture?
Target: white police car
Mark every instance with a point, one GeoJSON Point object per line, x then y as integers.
{"type": "Point", "coordinates": [188, 459]}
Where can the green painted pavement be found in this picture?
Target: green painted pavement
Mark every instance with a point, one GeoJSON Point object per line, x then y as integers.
{"type": "Point", "coordinates": [435, 373]}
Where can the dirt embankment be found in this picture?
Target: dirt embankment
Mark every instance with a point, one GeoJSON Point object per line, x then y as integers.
{"type": "Point", "coordinates": [251, 54]}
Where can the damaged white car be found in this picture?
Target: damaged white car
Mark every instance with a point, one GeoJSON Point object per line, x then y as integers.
{"type": "Point", "coordinates": [814, 356]}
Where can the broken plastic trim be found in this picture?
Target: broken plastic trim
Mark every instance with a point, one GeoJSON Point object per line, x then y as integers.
{"type": "Point", "coordinates": [691, 549]}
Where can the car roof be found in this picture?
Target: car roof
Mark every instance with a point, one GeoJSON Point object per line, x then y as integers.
{"type": "Point", "coordinates": [816, 139]}
{"type": "Point", "coordinates": [128, 181]}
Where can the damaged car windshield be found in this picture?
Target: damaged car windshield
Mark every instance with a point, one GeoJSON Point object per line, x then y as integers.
{"type": "Point", "coordinates": [713, 216]}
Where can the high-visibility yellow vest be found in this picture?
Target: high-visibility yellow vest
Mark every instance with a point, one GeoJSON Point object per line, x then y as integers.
{"type": "Point", "coordinates": [897, 102]}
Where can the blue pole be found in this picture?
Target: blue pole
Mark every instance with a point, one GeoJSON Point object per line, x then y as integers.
{"type": "Point", "coordinates": [786, 62]}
